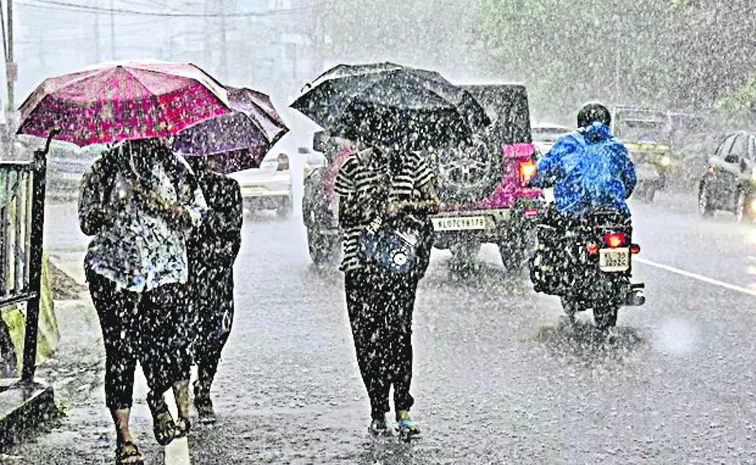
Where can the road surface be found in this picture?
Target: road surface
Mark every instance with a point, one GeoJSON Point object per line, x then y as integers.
{"type": "Point", "coordinates": [500, 376]}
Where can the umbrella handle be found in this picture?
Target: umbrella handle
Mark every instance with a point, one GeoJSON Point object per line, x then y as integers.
{"type": "Point", "coordinates": [50, 137]}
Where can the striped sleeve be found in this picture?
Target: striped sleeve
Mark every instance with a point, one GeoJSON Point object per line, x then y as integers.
{"type": "Point", "coordinates": [345, 181]}
{"type": "Point", "coordinates": [422, 172]}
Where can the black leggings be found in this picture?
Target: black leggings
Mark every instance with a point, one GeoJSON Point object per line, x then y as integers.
{"type": "Point", "coordinates": [147, 328]}
{"type": "Point", "coordinates": [380, 310]}
{"type": "Point", "coordinates": [212, 301]}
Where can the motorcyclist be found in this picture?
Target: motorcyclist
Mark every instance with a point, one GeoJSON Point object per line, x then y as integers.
{"type": "Point", "coordinates": [590, 171]}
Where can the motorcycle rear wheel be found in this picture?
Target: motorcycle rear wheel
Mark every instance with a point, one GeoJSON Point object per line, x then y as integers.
{"type": "Point", "coordinates": [605, 316]}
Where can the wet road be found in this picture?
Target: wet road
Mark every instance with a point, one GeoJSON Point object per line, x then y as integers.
{"type": "Point", "coordinates": [500, 376]}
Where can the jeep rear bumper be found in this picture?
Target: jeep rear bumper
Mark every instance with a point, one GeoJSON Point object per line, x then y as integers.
{"type": "Point", "coordinates": [495, 226]}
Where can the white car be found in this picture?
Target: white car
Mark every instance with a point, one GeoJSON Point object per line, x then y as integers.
{"type": "Point", "coordinates": [545, 136]}
{"type": "Point", "coordinates": [268, 187]}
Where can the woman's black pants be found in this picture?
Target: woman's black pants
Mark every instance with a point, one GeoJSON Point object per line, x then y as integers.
{"type": "Point", "coordinates": [380, 309]}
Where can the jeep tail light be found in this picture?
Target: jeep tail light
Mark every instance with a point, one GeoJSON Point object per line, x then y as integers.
{"type": "Point", "coordinates": [526, 170]}
{"type": "Point", "coordinates": [634, 249]}
{"type": "Point", "coordinates": [614, 240]}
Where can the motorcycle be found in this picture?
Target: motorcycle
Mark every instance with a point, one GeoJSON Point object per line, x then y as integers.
{"type": "Point", "coordinates": [588, 264]}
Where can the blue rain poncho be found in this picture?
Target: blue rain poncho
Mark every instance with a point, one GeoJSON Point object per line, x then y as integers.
{"type": "Point", "coordinates": [589, 170]}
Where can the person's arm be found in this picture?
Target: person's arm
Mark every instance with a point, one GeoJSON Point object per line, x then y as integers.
{"type": "Point", "coordinates": [96, 187]}
{"type": "Point", "coordinates": [429, 202]}
{"type": "Point", "coordinates": [225, 215]}
{"type": "Point", "coordinates": [351, 213]}
{"type": "Point", "coordinates": [191, 207]}
{"type": "Point", "coordinates": [629, 177]}
{"type": "Point", "coordinates": [224, 219]}
{"type": "Point", "coordinates": [547, 168]}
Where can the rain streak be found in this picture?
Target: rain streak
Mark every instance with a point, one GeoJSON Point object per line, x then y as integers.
{"type": "Point", "coordinates": [377, 232]}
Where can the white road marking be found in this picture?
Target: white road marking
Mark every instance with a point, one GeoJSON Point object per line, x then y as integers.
{"type": "Point", "coordinates": [177, 452]}
{"type": "Point", "coordinates": [699, 277]}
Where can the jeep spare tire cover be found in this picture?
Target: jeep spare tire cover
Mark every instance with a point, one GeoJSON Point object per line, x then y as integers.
{"type": "Point", "coordinates": [468, 173]}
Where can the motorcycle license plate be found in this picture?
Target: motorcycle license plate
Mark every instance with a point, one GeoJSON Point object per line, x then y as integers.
{"type": "Point", "coordinates": [614, 260]}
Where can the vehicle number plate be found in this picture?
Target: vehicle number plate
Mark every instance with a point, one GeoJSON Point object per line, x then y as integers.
{"type": "Point", "coordinates": [460, 223]}
{"type": "Point", "coordinates": [254, 190]}
{"type": "Point", "coordinates": [614, 260]}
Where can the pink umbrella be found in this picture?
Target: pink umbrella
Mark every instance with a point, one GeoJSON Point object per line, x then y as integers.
{"type": "Point", "coordinates": [111, 102]}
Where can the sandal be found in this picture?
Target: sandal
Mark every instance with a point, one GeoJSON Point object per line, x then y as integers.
{"type": "Point", "coordinates": [408, 430]}
{"type": "Point", "coordinates": [126, 452]}
{"type": "Point", "coordinates": [183, 426]}
{"type": "Point", "coordinates": [204, 405]}
{"type": "Point", "coordinates": [163, 425]}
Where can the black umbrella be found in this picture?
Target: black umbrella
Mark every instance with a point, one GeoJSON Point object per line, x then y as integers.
{"type": "Point", "coordinates": [391, 105]}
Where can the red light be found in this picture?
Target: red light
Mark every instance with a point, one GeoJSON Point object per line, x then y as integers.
{"type": "Point", "coordinates": [530, 213]}
{"type": "Point", "coordinates": [614, 240]}
{"type": "Point", "coordinates": [592, 249]}
{"type": "Point", "coordinates": [635, 249]}
{"type": "Point", "coordinates": [526, 169]}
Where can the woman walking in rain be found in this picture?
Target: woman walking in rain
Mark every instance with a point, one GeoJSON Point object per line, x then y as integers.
{"type": "Point", "coordinates": [139, 201]}
{"type": "Point", "coordinates": [383, 185]}
{"type": "Point", "coordinates": [212, 248]}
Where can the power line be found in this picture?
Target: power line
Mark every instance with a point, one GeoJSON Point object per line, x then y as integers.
{"type": "Point", "coordinates": [76, 7]}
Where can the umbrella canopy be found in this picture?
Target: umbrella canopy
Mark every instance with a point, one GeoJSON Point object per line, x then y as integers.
{"type": "Point", "coordinates": [388, 103]}
{"type": "Point", "coordinates": [238, 140]}
{"type": "Point", "coordinates": [111, 102]}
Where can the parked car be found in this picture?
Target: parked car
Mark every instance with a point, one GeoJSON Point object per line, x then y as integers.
{"type": "Point", "coordinates": [545, 136]}
{"type": "Point", "coordinates": [646, 133]}
{"type": "Point", "coordinates": [483, 187]}
{"type": "Point", "coordinates": [729, 183]}
{"type": "Point", "coordinates": [268, 187]}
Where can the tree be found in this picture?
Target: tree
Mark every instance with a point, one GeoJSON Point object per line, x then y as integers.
{"type": "Point", "coordinates": [684, 54]}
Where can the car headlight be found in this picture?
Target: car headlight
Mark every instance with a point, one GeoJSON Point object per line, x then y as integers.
{"type": "Point", "coordinates": [665, 161]}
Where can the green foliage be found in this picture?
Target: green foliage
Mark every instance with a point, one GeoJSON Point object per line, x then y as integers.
{"type": "Point", "coordinates": [48, 335]}
{"type": "Point", "coordinates": [688, 55]}
{"type": "Point", "coordinates": [739, 109]}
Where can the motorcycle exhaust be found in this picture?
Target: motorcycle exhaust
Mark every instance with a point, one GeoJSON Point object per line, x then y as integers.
{"type": "Point", "coordinates": [636, 297]}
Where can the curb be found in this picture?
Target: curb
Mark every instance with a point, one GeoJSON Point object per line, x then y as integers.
{"type": "Point", "coordinates": [24, 407]}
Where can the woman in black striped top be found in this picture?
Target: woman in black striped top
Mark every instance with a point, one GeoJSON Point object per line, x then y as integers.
{"type": "Point", "coordinates": [376, 183]}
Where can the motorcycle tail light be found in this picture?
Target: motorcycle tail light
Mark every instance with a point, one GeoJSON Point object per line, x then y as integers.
{"type": "Point", "coordinates": [614, 240]}
{"type": "Point", "coordinates": [592, 249]}
{"type": "Point", "coordinates": [635, 249]}
{"type": "Point", "coordinates": [526, 170]}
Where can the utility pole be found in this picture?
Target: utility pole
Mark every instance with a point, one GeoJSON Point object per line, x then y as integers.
{"type": "Point", "coordinates": [41, 51]}
{"type": "Point", "coordinates": [112, 32]}
{"type": "Point", "coordinates": [10, 65]}
{"type": "Point", "coordinates": [224, 51]}
{"type": "Point", "coordinates": [206, 27]}
{"type": "Point", "coordinates": [96, 32]}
